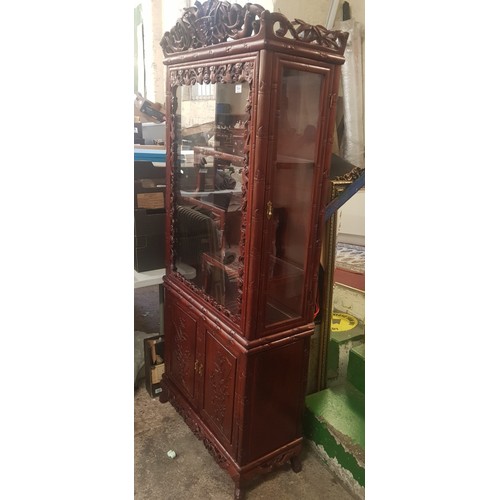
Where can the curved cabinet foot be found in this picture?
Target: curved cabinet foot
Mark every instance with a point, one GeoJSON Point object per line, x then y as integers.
{"type": "Point", "coordinates": [238, 493]}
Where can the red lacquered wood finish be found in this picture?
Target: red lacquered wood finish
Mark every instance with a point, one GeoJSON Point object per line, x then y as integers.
{"type": "Point", "coordinates": [240, 297]}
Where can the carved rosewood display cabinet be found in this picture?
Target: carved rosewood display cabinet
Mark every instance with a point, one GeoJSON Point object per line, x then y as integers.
{"type": "Point", "coordinates": [250, 116]}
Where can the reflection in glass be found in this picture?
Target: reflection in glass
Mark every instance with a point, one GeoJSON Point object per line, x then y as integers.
{"type": "Point", "coordinates": [292, 193]}
{"type": "Point", "coordinates": [210, 124]}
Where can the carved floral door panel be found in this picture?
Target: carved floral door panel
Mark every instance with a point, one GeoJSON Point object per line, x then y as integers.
{"type": "Point", "coordinates": [202, 368]}
{"type": "Point", "coordinates": [181, 338]}
{"type": "Point", "coordinates": [219, 390]}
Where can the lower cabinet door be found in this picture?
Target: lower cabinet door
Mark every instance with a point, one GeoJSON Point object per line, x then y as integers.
{"type": "Point", "coordinates": [219, 387]}
{"type": "Point", "coordinates": [181, 336]}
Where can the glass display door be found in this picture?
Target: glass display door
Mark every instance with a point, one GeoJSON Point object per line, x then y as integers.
{"type": "Point", "coordinates": [209, 121]}
{"type": "Point", "coordinates": [291, 209]}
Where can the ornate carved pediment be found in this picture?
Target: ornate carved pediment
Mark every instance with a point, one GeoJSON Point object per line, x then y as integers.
{"type": "Point", "coordinates": [309, 33]}
{"type": "Point", "coordinates": [213, 22]}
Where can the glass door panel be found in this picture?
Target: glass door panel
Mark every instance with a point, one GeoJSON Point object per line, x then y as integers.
{"type": "Point", "coordinates": [292, 188]}
{"type": "Point", "coordinates": [209, 123]}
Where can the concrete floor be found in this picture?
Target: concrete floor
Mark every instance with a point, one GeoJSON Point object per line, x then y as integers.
{"type": "Point", "coordinates": [194, 474]}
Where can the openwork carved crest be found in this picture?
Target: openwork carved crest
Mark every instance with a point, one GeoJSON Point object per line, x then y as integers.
{"type": "Point", "coordinates": [213, 22]}
{"type": "Point", "coordinates": [309, 33]}
{"type": "Point", "coordinates": [209, 23]}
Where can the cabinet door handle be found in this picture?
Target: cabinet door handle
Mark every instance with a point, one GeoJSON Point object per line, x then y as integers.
{"type": "Point", "coordinates": [269, 209]}
{"type": "Point", "coordinates": [200, 369]}
{"type": "Point", "coordinates": [196, 366]}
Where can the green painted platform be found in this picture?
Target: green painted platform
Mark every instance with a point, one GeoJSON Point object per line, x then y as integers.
{"type": "Point", "coordinates": [356, 367]}
{"type": "Point", "coordinates": [355, 333]}
{"type": "Point", "coordinates": [335, 417]}
{"type": "Point", "coordinates": [339, 347]}
{"type": "Point", "coordinates": [335, 420]}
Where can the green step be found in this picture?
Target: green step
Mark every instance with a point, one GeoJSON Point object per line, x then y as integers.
{"type": "Point", "coordinates": [356, 367]}
{"type": "Point", "coordinates": [339, 346]}
{"type": "Point", "coordinates": [335, 420]}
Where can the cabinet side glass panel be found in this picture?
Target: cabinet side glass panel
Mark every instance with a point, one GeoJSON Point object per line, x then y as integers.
{"type": "Point", "coordinates": [290, 208]}
{"type": "Point", "coordinates": [209, 130]}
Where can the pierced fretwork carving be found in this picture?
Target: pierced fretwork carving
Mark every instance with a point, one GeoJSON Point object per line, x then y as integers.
{"type": "Point", "coordinates": [309, 33]}
{"type": "Point", "coordinates": [219, 458]}
{"type": "Point", "coordinates": [209, 23]}
{"type": "Point", "coordinates": [213, 22]}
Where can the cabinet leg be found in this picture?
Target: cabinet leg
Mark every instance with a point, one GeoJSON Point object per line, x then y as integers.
{"type": "Point", "coordinates": [296, 464]}
{"type": "Point", "coordinates": [239, 494]}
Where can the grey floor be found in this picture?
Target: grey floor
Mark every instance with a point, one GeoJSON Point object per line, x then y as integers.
{"type": "Point", "coordinates": [194, 474]}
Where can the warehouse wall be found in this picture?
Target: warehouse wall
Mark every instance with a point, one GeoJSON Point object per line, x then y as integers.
{"type": "Point", "coordinates": [312, 11]}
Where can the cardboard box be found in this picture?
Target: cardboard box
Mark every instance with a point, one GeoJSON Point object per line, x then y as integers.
{"type": "Point", "coordinates": [152, 201]}
{"type": "Point", "coordinates": [149, 186]}
{"type": "Point", "coordinates": [146, 111]}
{"type": "Point", "coordinates": [154, 110]}
{"type": "Point", "coordinates": [154, 365]}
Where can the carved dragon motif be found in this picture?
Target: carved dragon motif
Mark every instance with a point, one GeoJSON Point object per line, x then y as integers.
{"type": "Point", "coordinates": [213, 22]}
{"type": "Point", "coordinates": [309, 33]}
{"type": "Point", "coordinates": [209, 23]}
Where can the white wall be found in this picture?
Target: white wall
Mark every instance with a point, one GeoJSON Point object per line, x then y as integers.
{"type": "Point", "coordinates": [152, 14]}
{"type": "Point", "coordinates": [310, 11]}
{"type": "Point", "coordinates": [357, 10]}
{"type": "Point", "coordinates": [317, 11]}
